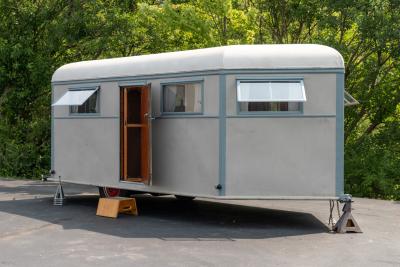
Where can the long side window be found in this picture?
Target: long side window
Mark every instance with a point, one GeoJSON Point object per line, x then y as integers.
{"type": "Point", "coordinates": [182, 97]}
{"type": "Point", "coordinates": [270, 96]}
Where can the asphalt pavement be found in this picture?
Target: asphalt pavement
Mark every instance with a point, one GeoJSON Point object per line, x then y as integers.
{"type": "Point", "coordinates": [203, 232]}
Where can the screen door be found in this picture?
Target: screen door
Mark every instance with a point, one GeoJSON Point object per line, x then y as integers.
{"type": "Point", "coordinates": [135, 133]}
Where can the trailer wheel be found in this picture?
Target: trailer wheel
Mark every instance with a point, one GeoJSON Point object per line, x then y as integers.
{"type": "Point", "coordinates": [184, 198]}
{"type": "Point", "coordinates": [157, 194]}
{"type": "Point", "coordinates": [113, 192]}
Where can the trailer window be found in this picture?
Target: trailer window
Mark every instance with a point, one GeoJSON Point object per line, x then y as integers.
{"type": "Point", "coordinates": [273, 96]}
{"type": "Point", "coordinates": [91, 105]}
{"type": "Point", "coordinates": [182, 98]}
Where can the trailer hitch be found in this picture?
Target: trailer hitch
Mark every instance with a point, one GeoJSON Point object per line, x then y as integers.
{"type": "Point", "coordinates": [45, 176]}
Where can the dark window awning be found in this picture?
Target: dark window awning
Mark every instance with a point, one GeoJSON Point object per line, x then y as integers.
{"type": "Point", "coordinates": [349, 100]}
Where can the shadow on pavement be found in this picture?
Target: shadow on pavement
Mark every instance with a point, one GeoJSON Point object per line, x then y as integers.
{"type": "Point", "coordinates": [43, 188]}
{"type": "Point", "coordinates": [165, 218]}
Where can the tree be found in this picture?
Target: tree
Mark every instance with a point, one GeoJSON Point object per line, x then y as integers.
{"type": "Point", "coordinates": [37, 37]}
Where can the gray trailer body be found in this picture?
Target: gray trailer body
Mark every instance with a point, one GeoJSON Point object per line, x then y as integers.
{"type": "Point", "coordinates": [260, 155]}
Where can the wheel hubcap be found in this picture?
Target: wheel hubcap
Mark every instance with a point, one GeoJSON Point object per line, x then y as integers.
{"type": "Point", "coordinates": [111, 192]}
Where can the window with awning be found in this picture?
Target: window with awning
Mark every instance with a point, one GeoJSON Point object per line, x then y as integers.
{"type": "Point", "coordinates": [80, 100]}
{"type": "Point", "coordinates": [276, 95]}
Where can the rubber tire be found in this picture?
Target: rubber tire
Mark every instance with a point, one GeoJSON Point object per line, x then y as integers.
{"type": "Point", "coordinates": [184, 198]}
{"type": "Point", "coordinates": [157, 194]}
{"type": "Point", "coordinates": [122, 192]}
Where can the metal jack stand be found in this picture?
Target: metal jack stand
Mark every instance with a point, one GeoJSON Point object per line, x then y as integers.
{"type": "Point", "coordinates": [346, 222]}
{"type": "Point", "coordinates": [59, 197]}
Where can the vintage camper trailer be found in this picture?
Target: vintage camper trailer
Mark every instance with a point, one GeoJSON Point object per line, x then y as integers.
{"type": "Point", "coordinates": [237, 122]}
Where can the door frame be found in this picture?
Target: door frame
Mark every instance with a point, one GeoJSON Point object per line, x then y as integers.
{"type": "Point", "coordinates": [144, 125]}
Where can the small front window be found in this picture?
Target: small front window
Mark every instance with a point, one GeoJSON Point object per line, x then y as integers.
{"type": "Point", "coordinates": [91, 105]}
{"type": "Point", "coordinates": [182, 98]}
{"type": "Point", "coordinates": [271, 96]}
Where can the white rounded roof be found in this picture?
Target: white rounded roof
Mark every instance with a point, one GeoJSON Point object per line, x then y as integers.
{"type": "Point", "coordinates": [287, 56]}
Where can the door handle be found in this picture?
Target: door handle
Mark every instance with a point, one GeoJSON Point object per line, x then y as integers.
{"type": "Point", "coordinates": [146, 115]}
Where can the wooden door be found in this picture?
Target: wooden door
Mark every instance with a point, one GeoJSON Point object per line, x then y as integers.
{"type": "Point", "coordinates": [135, 134]}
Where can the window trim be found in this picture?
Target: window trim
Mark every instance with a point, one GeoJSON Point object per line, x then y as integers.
{"type": "Point", "coordinates": [177, 114]}
{"type": "Point", "coordinates": [83, 88]}
{"type": "Point", "coordinates": [269, 113]}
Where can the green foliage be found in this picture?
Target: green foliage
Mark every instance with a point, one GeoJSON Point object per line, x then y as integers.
{"type": "Point", "coordinates": [372, 164]}
{"type": "Point", "coordinates": [36, 37]}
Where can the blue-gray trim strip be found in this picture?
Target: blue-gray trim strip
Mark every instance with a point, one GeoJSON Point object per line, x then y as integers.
{"type": "Point", "coordinates": [186, 80]}
{"type": "Point", "coordinates": [131, 83]}
{"type": "Point", "coordinates": [281, 115]}
{"type": "Point", "coordinates": [52, 131]}
{"type": "Point", "coordinates": [268, 113]}
{"type": "Point", "coordinates": [339, 134]}
{"type": "Point", "coordinates": [209, 117]}
{"type": "Point", "coordinates": [86, 116]}
{"type": "Point", "coordinates": [183, 116]}
{"type": "Point", "coordinates": [202, 73]}
{"type": "Point", "coordinates": [222, 133]}
{"type": "Point", "coordinates": [84, 88]}
{"type": "Point", "coordinates": [276, 78]}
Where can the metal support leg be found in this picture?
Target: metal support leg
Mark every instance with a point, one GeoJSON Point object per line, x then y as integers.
{"type": "Point", "coordinates": [346, 222]}
{"type": "Point", "coordinates": [59, 197]}
{"type": "Point", "coordinates": [331, 220]}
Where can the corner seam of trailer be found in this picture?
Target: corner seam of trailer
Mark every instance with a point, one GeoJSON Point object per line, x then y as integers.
{"type": "Point", "coordinates": [339, 169]}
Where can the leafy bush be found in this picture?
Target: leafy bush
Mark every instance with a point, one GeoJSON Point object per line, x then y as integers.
{"type": "Point", "coordinates": [372, 165]}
